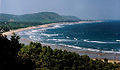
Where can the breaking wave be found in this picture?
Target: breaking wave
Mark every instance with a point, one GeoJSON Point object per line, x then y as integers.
{"type": "Point", "coordinates": [97, 41]}
{"type": "Point", "coordinates": [88, 49]}
{"type": "Point", "coordinates": [49, 35]}
{"type": "Point", "coordinates": [59, 40]}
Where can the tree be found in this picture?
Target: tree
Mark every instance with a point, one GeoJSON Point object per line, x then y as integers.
{"type": "Point", "coordinates": [9, 59]}
{"type": "Point", "coordinates": [46, 58]}
{"type": "Point", "coordinates": [8, 51]}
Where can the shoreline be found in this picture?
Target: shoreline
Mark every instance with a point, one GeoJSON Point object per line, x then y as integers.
{"type": "Point", "coordinates": [44, 26]}
{"type": "Point", "coordinates": [92, 54]}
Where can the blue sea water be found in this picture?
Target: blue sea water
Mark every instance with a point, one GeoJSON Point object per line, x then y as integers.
{"type": "Point", "coordinates": [96, 36]}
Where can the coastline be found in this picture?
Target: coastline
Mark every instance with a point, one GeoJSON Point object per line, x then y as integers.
{"type": "Point", "coordinates": [99, 55]}
{"type": "Point", "coordinates": [45, 26]}
{"type": "Point", "coordinates": [92, 54]}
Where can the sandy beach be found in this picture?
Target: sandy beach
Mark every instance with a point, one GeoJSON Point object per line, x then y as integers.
{"type": "Point", "coordinates": [111, 56]}
{"type": "Point", "coordinates": [44, 26]}
{"type": "Point", "coordinates": [22, 29]}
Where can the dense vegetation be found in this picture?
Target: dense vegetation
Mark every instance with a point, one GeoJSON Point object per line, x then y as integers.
{"type": "Point", "coordinates": [16, 56]}
{"type": "Point", "coordinates": [9, 54]}
{"type": "Point", "coordinates": [42, 17]}
{"type": "Point", "coordinates": [6, 26]}
{"type": "Point", "coordinates": [8, 21]}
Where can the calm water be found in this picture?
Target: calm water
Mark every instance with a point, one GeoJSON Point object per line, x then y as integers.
{"type": "Point", "coordinates": [103, 36]}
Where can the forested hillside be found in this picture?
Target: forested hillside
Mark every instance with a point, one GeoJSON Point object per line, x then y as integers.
{"type": "Point", "coordinates": [10, 22]}
{"type": "Point", "coordinates": [43, 17]}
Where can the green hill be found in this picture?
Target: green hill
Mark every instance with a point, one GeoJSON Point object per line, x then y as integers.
{"type": "Point", "coordinates": [43, 17]}
{"type": "Point", "coordinates": [71, 18]}
{"type": "Point", "coordinates": [6, 17]}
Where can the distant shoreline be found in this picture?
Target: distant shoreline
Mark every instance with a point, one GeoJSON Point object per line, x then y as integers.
{"type": "Point", "coordinates": [92, 54]}
{"type": "Point", "coordinates": [43, 26]}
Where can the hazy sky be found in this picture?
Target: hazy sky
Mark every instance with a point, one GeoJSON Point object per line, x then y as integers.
{"type": "Point", "coordinates": [84, 9]}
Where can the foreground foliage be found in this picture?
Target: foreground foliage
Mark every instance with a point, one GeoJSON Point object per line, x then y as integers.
{"type": "Point", "coordinates": [46, 58]}
{"type": "Point", "coordinates": [9, 54]}
{"type": "Point", "coordinates": [16, 56]}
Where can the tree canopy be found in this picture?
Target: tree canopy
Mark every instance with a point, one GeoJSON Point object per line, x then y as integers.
{"type": "Point", "coordinates": [17, 56]}
{"type": "Point", "coordinates": [46, 58]}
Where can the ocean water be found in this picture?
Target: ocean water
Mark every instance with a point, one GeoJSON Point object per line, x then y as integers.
{"type": "Point", "coordinates": [98, 36]}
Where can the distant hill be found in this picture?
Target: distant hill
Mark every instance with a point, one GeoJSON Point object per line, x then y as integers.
{"type": "Point", "coordinates": [43, 17]}
{"type": "Point", "coordinates": [71, 18]}
{"type": "Point", "coordinates": [6, 17]}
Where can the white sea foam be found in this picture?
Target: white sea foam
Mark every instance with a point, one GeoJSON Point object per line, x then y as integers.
{"type": "Point", "coordinates": [75, 39]}
{"type": "Point", "coordinates": [54, 26]}
{"type": "Point", "coordinates": [49, 35]}
{"type": "Point", "coordinates": [52, 39]}
{"type": "Point", "coordinates": [51, 27]}
{"type": "Point", "coordinates": [97, 41]}
{"type": "Point", "coordinates": [42, 29]}
{"type": "Point", "coordinates": [90, 49]}
{"type": "Point", "coordinates": [115, 52]}
{"type": "Point", "coordinates": [31, 36]}
{"type": "Point", "coordinates": [34, 38]}
{"type": "Point", "coordinates": [59, 40]}
{"type": "Point", "coordinates": [94, 41]}
{"type": "Point", "coordinates": [57, 25]}
{"type": "Point", "coordinates": [67, 37]}
{"type": "Point", "coordinates": [118, 40]}
{"type": "Point", "coordinates": [34, 31]}
{"type": "Point", "coordinates": [76, 47]}
{"type": "Point", "coordinates": [81, 48]}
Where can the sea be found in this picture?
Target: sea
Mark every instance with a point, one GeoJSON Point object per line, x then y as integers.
{"type": "Point", "coordinates": [101, 36]}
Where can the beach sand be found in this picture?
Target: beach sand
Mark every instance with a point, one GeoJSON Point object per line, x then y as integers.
{"type": "Point", "coordinates": [44, 26]}
{"type": "Point", "coordinates": [22, 29]}
{"type": "Point", "coordinates": [92, 54]}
